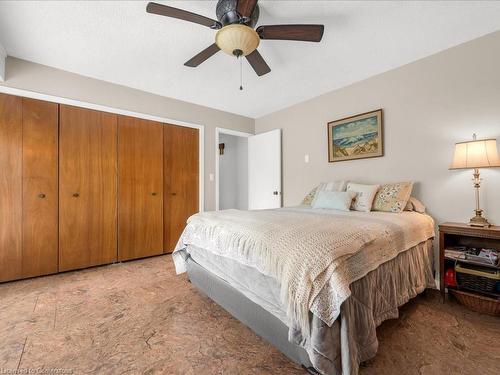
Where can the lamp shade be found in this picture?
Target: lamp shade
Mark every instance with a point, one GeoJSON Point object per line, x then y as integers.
{"type": "Point", "coordinates": [237, 37]}
{"type": "Point", "coordinates": [476, 154]}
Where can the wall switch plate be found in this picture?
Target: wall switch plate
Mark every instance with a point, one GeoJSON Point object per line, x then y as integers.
{"type": "Point", "coordinates": [211, 177]}
{"type": "Point", "coordinates": [306, 158]}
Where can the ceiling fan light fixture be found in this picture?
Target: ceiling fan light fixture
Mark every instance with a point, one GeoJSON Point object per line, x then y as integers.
{"type": "Point", "coordinates": [236, 37]}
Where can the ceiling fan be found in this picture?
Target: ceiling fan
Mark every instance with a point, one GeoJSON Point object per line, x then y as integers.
{"type": "Point", "coordinates": [236, 36]}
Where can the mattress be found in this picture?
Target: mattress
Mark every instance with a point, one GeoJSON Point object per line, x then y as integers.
{"type": "Point", "coordinates": [257, 287]}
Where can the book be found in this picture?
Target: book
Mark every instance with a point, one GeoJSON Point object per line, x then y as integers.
{"type": "Point", "coordinates": [454, 254]}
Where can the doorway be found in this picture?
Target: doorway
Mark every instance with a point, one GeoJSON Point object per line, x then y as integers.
{"type": "Point", "coordinates": [231, 169]}
{"type": "Point", "coordinates": [247, 170]}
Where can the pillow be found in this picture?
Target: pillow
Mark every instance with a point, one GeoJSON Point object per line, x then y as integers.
{"type": "Point", "coordinates": [392, 197]}
{"type": "Point", "coordinates": [308, 199]}
{"type": "Point", "coordinates": [330, 186]}
{"type": "Point", "coordinates": [334, 200]}
{"type": "Point", "coordinates": [333, 186]}
{"type": "Point", "coordinates": [324, 186]}
{"type": "Point", "coordinates": [364, 196]}
{"type": "Point", "coordinates": [415, 205]}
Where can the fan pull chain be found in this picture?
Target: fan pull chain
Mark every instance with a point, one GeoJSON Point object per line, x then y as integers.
{"type": "Point", "coordinates": [241, 73]}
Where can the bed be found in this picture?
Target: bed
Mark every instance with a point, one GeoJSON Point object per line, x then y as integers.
{"type": "Point", "coordinates": [315, 283]}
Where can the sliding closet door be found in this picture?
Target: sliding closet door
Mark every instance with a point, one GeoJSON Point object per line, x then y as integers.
{"type": "Point", "coordinates": [40, 193]}
{"type": "Point", "coordinates": [181, 180]}
{"type": "Point", "coordinates": [140, 197]}
{"type": "Point", "coordinates": [88, 188]}
{"type": "Point", "coordinates": [11, 140]}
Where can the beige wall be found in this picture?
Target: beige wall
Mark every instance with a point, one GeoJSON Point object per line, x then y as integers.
{"type": "Point", "coordinates": [428, 106]}
{"type": "Point", "coordinates": [42, 79]}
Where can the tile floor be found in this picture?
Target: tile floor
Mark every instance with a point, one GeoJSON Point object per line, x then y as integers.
{"type": "Point", "coordinates": [140, 318]}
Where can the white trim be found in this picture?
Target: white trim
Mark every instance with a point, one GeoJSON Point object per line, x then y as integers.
{"type": "Point", "coordinates": [3, 56]}
{"type": "Point", "coordinates": [231, 132]}
{"type": "Point", "coordinates": [201, 168]}
{"type": "Point", "coordinates": [228, 132]}
{"type": "Point", "coordinates": [102, 108]}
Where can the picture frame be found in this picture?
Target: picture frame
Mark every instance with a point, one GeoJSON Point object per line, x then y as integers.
{"type": "Point", "coordinates": [356, 137]}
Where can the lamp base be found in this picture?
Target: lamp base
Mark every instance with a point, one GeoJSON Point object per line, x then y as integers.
{"type": "Point", "coordinates": [479, 220]}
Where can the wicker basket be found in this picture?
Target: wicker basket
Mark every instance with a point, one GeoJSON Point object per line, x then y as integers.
{"type": "Point", "coordinates": [477, 302]}
{"type": "Point", "coordinates": [482, 280]}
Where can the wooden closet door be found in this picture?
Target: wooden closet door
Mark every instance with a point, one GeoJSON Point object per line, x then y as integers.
{"type": "Point", "coordinates": [181, 186]}
{"type": "Point", "coordinates": [40, 193]}
{"type": "Point", "coordinates": [88, 188]}
{"type": "Point", "coordinates": [140, 186]}
{"type": "Point", "coordinates": [11, 140]}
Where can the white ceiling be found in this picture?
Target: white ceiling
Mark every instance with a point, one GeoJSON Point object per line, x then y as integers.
{"type": "Point", "coordinates": [117, 41]}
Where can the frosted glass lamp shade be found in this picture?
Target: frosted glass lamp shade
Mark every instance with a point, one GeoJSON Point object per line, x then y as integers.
{"type": "Point", "coordinates": [476, 154]}
{"type": "Point", "coordinates": [237, 37]}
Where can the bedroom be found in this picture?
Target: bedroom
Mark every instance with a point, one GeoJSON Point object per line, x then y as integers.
{"type": "Point", "coordinates": [358, 253]}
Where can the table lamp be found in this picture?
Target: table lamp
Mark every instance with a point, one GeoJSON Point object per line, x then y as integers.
{"type": "Point", "coordinates": [476, 154]}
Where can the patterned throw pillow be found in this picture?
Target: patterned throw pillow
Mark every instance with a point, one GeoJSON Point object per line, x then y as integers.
{"type": "Point", "coordinates": [392, 197]}
{"type": "Point", "coordinates": [324, 186]}
{"type": "Point", "coordinates": [308, 199]}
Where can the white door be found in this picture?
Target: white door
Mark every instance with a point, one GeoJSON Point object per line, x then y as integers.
{"type": "Point", "coordinates": [264, 170]}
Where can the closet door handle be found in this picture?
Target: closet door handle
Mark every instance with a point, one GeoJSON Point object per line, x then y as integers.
{"type": "Point", "coordinates": [174, 193]}
{"type": "Point", "coordinates": [41, 195]}
{"type": "Point", "coordinates": [153, 194]}
{"type": "Point", "coordinates": [76, 195]}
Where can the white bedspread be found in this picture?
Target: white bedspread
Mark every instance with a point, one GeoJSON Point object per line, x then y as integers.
{"type": "Point", "coordinates": [313, 254]}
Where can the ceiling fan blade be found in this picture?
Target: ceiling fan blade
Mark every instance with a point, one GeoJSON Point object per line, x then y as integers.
{"type": "Point", "coordinates": [245, 7]}
{"type": "Point", "coordinates": [306, 33]}
{"type": "Point", "coordinates": [258, 64]}
{"type": "Point", "coordinates": [202, 56]}
{"type": "Point", "coordinates": [164, 10]}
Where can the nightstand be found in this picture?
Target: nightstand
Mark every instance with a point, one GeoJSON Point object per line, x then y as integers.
{"type": "Point", "coordinates": [457, 235]}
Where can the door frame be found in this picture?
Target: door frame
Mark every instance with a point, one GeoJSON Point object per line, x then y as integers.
{"type": "Point", "coordinates": [219, 131]}
{"type": "Point", "coordinates": [118, 111]}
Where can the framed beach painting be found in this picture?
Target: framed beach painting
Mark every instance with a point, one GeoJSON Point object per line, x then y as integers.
{"type": "Point", "coordinates": [356, 137]}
